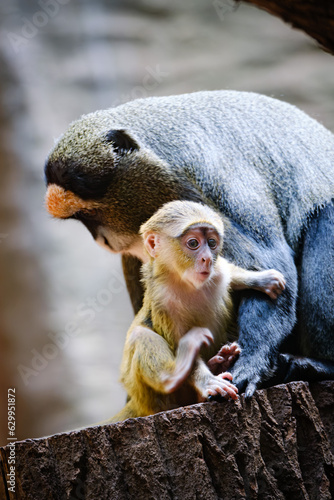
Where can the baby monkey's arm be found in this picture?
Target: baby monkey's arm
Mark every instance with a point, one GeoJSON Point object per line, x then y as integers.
{"type": "Point", "coordinates": [271, 282]}
{"type": "Point", "coordinates": [207, 384]}
{"type": "Point", "coordinates": [186, 355]}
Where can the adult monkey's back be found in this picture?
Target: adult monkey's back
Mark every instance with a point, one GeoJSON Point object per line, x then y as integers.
{"type": "Point", "coordinates": [263, 163]}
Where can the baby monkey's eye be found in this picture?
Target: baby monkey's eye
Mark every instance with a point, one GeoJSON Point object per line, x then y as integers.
{"type": "Point", "coordinates": [212, 243]}
{"type": "Point", "coordinates": [192, 244]}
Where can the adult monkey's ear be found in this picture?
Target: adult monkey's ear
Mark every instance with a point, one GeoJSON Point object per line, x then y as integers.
{"type": "Point", "coordinates": [121, 141]}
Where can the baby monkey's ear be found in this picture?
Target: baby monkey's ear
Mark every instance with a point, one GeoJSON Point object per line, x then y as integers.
{"type": "Point", "coordinates": [121, 141]}
{"type": "Point", "coordinates": [151, 243]}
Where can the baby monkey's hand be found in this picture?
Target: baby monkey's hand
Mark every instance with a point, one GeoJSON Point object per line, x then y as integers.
{"type": "Point", "coordinates": [224, 358]}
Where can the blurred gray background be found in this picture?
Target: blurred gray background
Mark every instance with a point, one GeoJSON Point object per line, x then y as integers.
{"type": "Point", "coordinates": [64, 310]}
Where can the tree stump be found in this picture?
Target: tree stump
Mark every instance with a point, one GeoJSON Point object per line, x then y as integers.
{"type": "Point", "coordinates": [277, 445]}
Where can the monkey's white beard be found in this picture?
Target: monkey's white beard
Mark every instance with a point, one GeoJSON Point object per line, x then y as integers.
{"type": "Point", "coordinates": [122, 244]}
{"type": "Point", "coordinates": [138, 250]}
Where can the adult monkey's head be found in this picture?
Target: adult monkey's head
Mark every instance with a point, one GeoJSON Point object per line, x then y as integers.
{"type": "Point", "coordinates": [106, 180]}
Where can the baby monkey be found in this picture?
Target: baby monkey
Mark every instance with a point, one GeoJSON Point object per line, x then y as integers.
{"type": "Point", "coordinates": [186, 312]}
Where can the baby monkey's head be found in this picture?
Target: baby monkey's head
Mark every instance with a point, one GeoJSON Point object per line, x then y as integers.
{"type": "Point", "coordinates": [185, 238]}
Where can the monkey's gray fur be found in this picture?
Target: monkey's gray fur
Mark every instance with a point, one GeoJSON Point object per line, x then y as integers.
{"type": "Point", "coordinates": [267, 166]}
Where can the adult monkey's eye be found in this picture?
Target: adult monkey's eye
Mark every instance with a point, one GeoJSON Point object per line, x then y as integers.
{"type": "Point", "coordinates": [88, 213]}
{"type": "Point", "coordinates": [212, 243]}
{"type": "Point", "coordinates": [192, 244]}
{"type": "Point", "coordinates": [93, 212]}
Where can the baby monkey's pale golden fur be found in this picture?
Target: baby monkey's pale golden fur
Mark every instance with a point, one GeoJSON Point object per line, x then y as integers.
{"type": "Point", "coordinates": [186, 311]}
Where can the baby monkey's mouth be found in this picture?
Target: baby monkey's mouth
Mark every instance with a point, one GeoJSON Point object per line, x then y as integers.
{"type": "Point", "coordinates": [203, 275]}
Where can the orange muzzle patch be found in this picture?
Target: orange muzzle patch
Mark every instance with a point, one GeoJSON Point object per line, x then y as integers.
{"type": "Point", "coordinates": [62, 203]}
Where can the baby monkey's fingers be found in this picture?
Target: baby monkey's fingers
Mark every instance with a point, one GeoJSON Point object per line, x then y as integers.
{"type": "Point", "coordinates": [272, 283]}
{"type": "Point", "coordinates": [225, 357]}
{"type": "Point", "coordinates": [221, 387]}
{"type": "Point", "coordinates": [226, 376]}
{"type": "Point", "coordinates": [229, 350]}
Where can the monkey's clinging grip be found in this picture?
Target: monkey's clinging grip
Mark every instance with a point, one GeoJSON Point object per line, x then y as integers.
{"type": "Point", "coordinates": [262, 163]}
{"type": "Point", "coordinates": [185, 315]}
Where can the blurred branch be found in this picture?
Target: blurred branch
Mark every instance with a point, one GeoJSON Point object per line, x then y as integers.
{"type": "Point", "coordinates": [315, 17]}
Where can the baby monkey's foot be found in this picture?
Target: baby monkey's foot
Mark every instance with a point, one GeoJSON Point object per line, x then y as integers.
{"type": "Point", "coordinates": [220, 386]}
{"type": "Point", "coordinates": [271, 282]}
{"type": "Point", "coordinates": [224, 358]}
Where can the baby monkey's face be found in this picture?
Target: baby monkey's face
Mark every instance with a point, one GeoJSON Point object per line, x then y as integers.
{"type": "Point", "coordinates": [201, 246]}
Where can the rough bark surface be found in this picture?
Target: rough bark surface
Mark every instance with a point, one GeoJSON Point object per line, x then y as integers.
{"type": "Point", "coordinates": [278, 445]}
{"type": "Point", "coordinates": [315, 17]}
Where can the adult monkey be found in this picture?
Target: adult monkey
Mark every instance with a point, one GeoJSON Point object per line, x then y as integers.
{"type": "Point", "coordinates": [264, 164]}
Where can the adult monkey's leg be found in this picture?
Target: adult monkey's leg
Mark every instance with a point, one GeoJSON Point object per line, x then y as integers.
{"type": "Point", "coordinates": [131, 269]}
{"type": "Point", "coordinates": [316, 289]}
{"type": "Point", "coordinates": [264, 324]}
